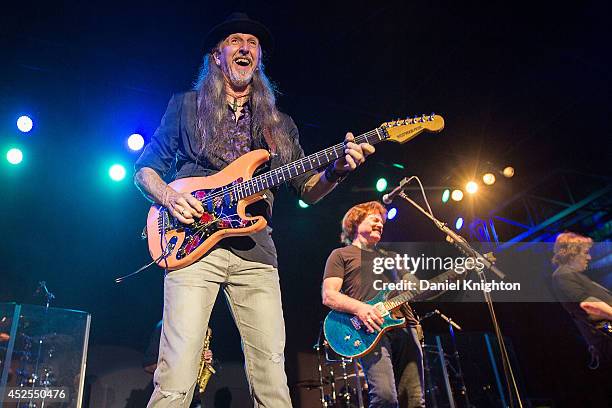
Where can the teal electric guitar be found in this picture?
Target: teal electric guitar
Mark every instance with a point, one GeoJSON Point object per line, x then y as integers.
{"type": "Point", "coordinates": [349, 337]}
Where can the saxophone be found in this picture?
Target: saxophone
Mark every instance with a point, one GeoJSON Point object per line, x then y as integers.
{"type": "Point", "coordinates": [206, 370]}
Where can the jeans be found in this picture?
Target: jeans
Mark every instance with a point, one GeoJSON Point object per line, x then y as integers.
{"type": "Point", "coordinates": [252, 292]}
{"type": "Point", "coordinates": [394, 371]}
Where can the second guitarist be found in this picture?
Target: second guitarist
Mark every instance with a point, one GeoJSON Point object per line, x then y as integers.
{"type": "Point", "coordinates": [394, 369]}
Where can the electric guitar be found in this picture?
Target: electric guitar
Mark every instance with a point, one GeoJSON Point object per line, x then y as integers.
{"type": "Point", "coordinates": [349, 337]}
{"type": "Point", "coordinates": [226, 194]}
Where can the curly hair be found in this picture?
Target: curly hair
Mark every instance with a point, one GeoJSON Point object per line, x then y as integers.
{"type": "Point", "coordinates": [568, 245]}
{"type": "Point", "coordinates": [355, 215]}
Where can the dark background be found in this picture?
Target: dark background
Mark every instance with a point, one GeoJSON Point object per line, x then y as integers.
{"type": "Point", "coordinates": [526, 84]}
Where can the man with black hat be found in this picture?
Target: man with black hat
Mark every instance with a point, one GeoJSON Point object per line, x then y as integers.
{"type": "Point", "coordinates": [230, 112]}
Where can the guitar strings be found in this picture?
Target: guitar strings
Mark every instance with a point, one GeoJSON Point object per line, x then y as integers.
{"type": "Point", "coordinates": [251, 183]}
{"type": "Point", "coordinates": [380, 131]}
{"type": "Point", "coordinates": [254, 183]}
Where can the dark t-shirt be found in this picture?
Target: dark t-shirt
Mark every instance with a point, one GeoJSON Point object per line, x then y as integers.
{"type": "Point", "coordinates": [176, 142]}
{"type": "Point", "coordinates": [572, 287]}
{"type": "Point", "coordinates": [354, 266]}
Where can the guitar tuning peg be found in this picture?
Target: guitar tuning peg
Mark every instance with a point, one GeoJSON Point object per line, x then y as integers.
{"type": "Point", "coordinates": [423, 118]}
{"type": "Point", "coordinates": [415, 119]}
{"type": "Point", "coordinates": [431, 117]}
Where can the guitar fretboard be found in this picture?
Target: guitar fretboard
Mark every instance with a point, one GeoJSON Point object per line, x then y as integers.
{"type": "Point", "coordinates": [294, 169]}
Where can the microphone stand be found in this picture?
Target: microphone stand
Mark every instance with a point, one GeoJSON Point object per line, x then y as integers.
{"type": "Point", "coordinates": [42, 289]}
{"type": "Point", "coordinates": [461, 243]}
{"type": "Point", "coordinates": [459, 371]}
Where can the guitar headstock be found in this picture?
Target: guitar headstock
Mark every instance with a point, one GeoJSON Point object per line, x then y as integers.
{"type": "Point", "coordinates": [403, 130]}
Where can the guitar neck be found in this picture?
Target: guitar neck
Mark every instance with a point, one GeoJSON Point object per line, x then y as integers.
{"type": "Point", "coordinates": [301, 166]}
{"type": "Point", "coordinates": [411, 295]}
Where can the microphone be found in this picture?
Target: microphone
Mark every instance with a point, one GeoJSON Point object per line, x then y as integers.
{"type": "Point", "coordinates": [388, 198]}
{"type": "Point", "coordinates": [448, 319]}
{"type": "Point", "coordinates": [42, 287]}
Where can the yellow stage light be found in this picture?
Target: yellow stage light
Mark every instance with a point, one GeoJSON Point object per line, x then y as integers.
{"type": "Point", "coordinates": [488, 179]}
{"type": "Point", "coordinates": [457, 195]}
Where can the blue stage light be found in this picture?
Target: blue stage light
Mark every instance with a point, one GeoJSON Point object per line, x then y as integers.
{"type": "Point", "coordinates": [392, 213]}
{"type": "Point", "coordinates": [135, 142]}
{"type": "Point", "coordinates": [24, 124]}
{"type": "Point", "coordinates": [14, 156]}
{"type": "Point", "coordinates": [459, 223]}
{"type": "Point", "coordinates": [116, 172]}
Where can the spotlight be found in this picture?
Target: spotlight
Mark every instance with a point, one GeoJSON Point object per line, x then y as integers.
{"type": "Point", "coordinates": [445, 195]}
{"type": "Point", "coordinates": [24, 124]}
{"type": "Point", "coordinates": [116, 172]}
{"type": "Point", "coordinates": [508, 171]}
{"type": "Point", "coordinates": [302, 204]}
{"type": "Point", "coordinates": [457, 195]}
{"type": "Point", "coordinates": [14, 156]}
{"type": "Point", "coordinates": [135, 142]}
{"type": "Point", "coordinates": [488, 179]}
{"type": "Point", "coordinates": [392, 213]}
{"type": "Point", "coordinates": [381, 184]}
{"type": "Point", "coordinates": [459, 223]}
{"type": "Point", "coordinates": [471, 187]}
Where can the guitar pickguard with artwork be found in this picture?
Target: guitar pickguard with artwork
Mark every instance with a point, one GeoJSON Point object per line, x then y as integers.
{"type": "Point", "coordinates": [220, 213]}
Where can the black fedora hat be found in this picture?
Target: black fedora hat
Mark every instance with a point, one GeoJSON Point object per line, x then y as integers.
{"type": "Point", "coordinates": [239, 23]}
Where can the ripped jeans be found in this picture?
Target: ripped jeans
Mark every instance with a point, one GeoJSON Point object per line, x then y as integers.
{"type": "Point", "coordinates": [252, 292]}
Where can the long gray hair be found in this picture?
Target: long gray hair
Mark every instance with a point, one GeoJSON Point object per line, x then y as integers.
{"type": "Point", "coordinates": [213, 110]}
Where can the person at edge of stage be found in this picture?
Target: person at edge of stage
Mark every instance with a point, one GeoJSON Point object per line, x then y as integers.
{"type": "Point", "coordinates": [587, 302]}
{"type": "Point", "coordinates": [394, 369]}
{"type": "Point", "coordinates": [231, 111]}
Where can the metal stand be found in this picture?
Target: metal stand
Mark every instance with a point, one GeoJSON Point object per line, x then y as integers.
{"type": "Point", "coordinates": [456, 367]}
{"type": "Point", "coordinates": [342, 397]}
{"type": "Point", "coordinates": [317, 347]}
{"type": "Point", "coordinates": [460, 243]}
{"type": "Point", "coordinates": [459, 371]}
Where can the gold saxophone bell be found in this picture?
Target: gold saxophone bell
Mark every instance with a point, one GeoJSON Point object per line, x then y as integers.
{"type": "Point", "coordinates": [206, 369]}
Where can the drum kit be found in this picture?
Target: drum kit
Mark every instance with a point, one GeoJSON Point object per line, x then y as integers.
{"type": "Point", "coordinates": [34, 361]}
{"type": "Point", "coordinates": [341, 381]}
{"type": "Point", "coordinates": [33, 354]}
